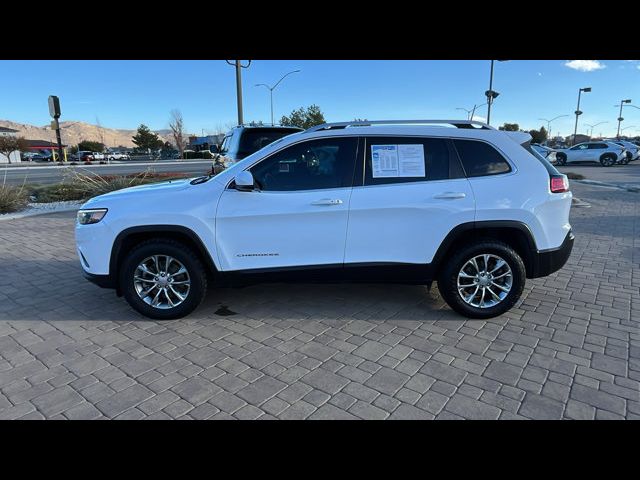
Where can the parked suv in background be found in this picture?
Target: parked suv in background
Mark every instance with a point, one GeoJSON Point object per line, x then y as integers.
{"type": "Point", "coordinates": [631, 149]}
{"type": "Point", "coordinates": [410, 202]}
{"type": "Point", "coordinates": [607, 153]}
{"type": "Point", "coordinates": [242, 141]}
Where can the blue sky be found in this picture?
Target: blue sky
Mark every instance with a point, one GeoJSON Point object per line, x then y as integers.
{"type": "Point", "coordinates": [123, 94]}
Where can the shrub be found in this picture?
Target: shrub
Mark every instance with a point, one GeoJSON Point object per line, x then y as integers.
{"type": "Point", "coordinates": [12, 198]}
{"type": "Point", "coordinates": [87, 185]}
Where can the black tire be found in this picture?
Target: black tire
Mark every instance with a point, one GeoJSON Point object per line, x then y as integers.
{"type": "Point", "coordinates": [182, 253]}
{"type": "Point", "coordinates": [607, 160]}
{"type": "Point", "coordinates": [561, 159]}
{"type": "Point", "coordinates": [448, 278]}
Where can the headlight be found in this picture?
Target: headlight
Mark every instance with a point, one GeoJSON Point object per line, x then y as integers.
{"type": "Point", "coordinates": [91, 215]}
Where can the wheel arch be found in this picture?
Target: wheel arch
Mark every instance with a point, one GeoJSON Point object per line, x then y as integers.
{"type": "Point", "coordinates": [132, 236]}
{"type": "Point", "coordinates": [514, 233]}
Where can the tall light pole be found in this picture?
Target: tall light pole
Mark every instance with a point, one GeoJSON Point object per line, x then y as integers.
{"type": "Point", "coordinates": [491, 94]}
{"type": "Point", "coordinates": [271, 89]}
{"type": "Point", "coordinates": [468, 111]}
{"type": "Point", "coordinates": [630, 126]}
{"type": "Point", "coordinates": [578, 112]}
{"type": "Point", "coordinates": [593, 126]}
{"type": "Point", "coordinates": [472, 112]}
{"type": "Point", "coordinates": [620, 119]}
{"type": "Point", "coordinates": [549, 123]}
{"type": "Point", "coordinates": [238, 65]}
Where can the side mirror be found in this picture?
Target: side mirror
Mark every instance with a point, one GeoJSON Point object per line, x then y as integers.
{"type": "Point", "coordinates": [244, 182]}
{"type": "Point", "coordinates": [214, 149]}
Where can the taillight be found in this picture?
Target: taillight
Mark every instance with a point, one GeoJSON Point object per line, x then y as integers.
{"type": "Point", "coordinates": [559, 184]}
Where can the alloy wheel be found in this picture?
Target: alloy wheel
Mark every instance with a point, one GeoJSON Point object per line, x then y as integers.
{"type": "Point", "coordinates": [162, 281]}
{"type": "Point", "coordinates": [485, 280]}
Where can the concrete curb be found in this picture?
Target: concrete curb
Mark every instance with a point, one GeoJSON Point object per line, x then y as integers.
{"type": "Point", "coordinates": [621, 186]}
{"type": "Point", "coordinates": [41, 211]}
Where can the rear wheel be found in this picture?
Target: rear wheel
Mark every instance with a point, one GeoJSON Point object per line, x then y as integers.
{"type": "Point", "coordinates": [483, 280]}
{"type": "Point", "coordinates": [607, 160]}
{"type": "Point", "coordinates": [163, 279]}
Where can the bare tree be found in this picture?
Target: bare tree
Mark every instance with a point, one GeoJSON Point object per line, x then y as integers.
{"type": "Point", "coordinates": [176, 124]}
{"type": "Point", "coordinates": [9, 144]}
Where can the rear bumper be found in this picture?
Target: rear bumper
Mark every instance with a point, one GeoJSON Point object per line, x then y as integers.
{"type": "Point", "coordinates": [545, 262]}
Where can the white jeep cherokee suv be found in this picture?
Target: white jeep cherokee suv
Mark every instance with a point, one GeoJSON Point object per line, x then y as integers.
{"type": "Point", "coordinates": [396, 201]}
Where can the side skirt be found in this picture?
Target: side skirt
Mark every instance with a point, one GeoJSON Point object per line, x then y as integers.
{"type": "Point", "coordinates": [401, 273]}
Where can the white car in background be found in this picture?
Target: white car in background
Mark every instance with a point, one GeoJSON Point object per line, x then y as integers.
{"type": "Point", "coordinates": [607, 153]}
{"type": "Point", "coordinates": [118, 156]}
{"type": "Point", "coordinates": [633, 151]}
{"type": "Point", "coordinates": [546, 152]}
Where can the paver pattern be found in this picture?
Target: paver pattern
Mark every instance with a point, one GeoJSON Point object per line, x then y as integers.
{"type": "Point", "coordinates": [570, 350]}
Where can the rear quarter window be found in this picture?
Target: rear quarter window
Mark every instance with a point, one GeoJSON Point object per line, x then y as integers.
{"type": "Point", "coordinates": [480, 159]}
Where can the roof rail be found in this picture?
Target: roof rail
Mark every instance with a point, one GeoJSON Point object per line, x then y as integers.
{"type": "Point", "coordinates": [366, 123]}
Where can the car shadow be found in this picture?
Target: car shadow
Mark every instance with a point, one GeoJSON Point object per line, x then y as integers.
{"type": "Point", "coordinates": [55, 290]}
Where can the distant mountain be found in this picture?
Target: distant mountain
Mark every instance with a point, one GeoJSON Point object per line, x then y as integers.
{"type": "Point", "coordinates": [74, 132]}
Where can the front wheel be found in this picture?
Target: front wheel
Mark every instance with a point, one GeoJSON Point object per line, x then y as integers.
{"type": "Point", "coordinates": [561, 159]}
{"type": "Point", "coordinates": [163, 279]}
{"type": "Point", "coordinates": [607, 160]}
{"type": "Point", "coordinates": [483, 280]}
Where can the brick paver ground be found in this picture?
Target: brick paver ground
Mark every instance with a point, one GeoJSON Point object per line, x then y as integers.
{"type": "Point", "coordinates": [571, 349]}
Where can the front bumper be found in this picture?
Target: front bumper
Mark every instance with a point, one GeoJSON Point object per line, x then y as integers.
{"type": "Point", "coordinates": [104, 281]}
{"type": "Point", "coordinates": [545, 262]}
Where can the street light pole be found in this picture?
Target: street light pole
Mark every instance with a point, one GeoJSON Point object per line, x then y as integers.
{"type": "Point", "coordinates": [578, 113]}
{"type": "Point", "coordinates": [593, 126]}
{"type": "Point", "coordinates": [271, 89]}
{"type": "Point", "coordinates": [620, 119]}
{"type": "Point", "coordinates": [549, 123]}
{"type": "Point", "coordinates": [491, 94]}
{"type": "Point", "coordinates": [238, 65]}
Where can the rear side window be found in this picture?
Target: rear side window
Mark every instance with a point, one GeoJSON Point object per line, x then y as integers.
{"type": "Point", "coordinates": [391, 160]}
{"type": "Point", "coordinates": [597, 146]}
{"type": "Point", "coordinates": [480, 159]}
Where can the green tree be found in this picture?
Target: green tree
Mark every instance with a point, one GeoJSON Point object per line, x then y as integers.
{"type": "Point", "coordinates": [510, 127]}
{"type": "Point", "coordinates": [9, 144]}
{"type": "Point", "coordinates": [90, 146]}
{"type": "Point", "coordinates": [145, 139]}
{"type": "Point", "coordinates": [304, 117]}
{"type": "Point", "coordinates": [539, 136]}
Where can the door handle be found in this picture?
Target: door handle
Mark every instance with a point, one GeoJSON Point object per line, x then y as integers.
{"type": "Point", "coordinates": [327, 202]}
{"type": "Point", "coordinates": [450, 195]}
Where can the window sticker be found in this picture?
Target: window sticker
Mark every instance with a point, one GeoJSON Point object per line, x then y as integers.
{"type": "Point", "coordinates": [397, 161]}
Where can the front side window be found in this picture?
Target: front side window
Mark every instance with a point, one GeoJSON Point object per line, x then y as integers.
{"type": "Point", "coordinates": [480, 159]}
{"type": "Point", "coordinates": [582, 146]}
{"type": "Point", "coordinates": [597, 146]}
{"type": "Point", "coordinates": [407, 159]}
{"type": "Point", "coordinates": [312, 165]}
